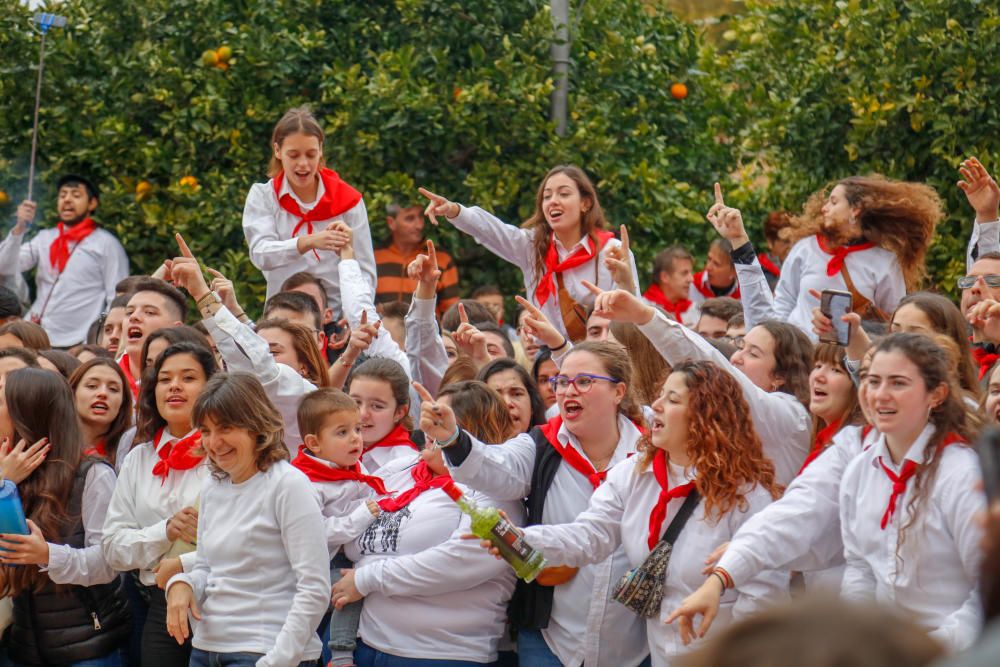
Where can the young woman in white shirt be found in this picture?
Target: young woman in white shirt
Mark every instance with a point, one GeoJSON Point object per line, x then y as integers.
{"type": "Point", "coordinates": [518, 390]}
{"type": "Point", "coordinates": [153, 515]}
{"type": "Point", "coordinates": [698, 443]}
{"type": "Point", "coordinates": [908, 503]}
{"type": "Point", "coordinates": [563, 243]}
{"type": "Point", "coordinates": [771, 367]}
{"type": "Point", "coordinates": [567, 615]}
{"type": "Point", "coordinates": [869, 236]}
{"type": "Point", "coordinates": [104, 404]}
{"type": "Point", "coordinates": [289, 220]}
{"type": "Point", "coordinates": [70, 608]}
{"type": "Point", "coordinates": [381, 389]}
{"type": "Point", "coordinates": [260, 516]}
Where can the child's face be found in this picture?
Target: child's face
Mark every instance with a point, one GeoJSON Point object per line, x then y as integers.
{"type": "Point", "coordinates": [339, 441]}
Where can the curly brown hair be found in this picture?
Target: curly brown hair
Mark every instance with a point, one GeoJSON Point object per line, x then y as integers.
{"type": "Point", "coordinates": [590, 220]}
{"type": "Point", "coordinates": [724, 448]}
{"type": "Point", "coordinates": [896, 215]}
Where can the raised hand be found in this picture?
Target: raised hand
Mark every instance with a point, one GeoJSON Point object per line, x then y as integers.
{"type": "Point", "coordinates": [17, 463]}
{"type": "Point", "coordinates": [332, 239]}
{"type": "Point", "coordinates": [980, 189]}
{"type": "Point", "coordinates": [361, 338]}
{"type": "Point", "coordinates": [980, 312]}
{"type": "Point", "coordinates": [617, 261]}
{"type": "Point", "coordinates": [25, 214]}
{"type": "Point", "coordinates": [186, 272]}
{"type": "Point", "coordinates": [470, 340]}
{"type": "Point", "coordinates": [439, 206]}
{"type": "Point", "coordinates": [436, 419]}
{"type": "Point", "coordinates": [620, 305]}
{"type": "Point", "coordinates": [424, 269]}
{"type": "Point", "coordinates": [858, 341]}
{"type": "Point", "coordinates": [345, 237]}
{"type": "Point", "coordinates": [224, 288]}
{"type": "Point", "coordinates": [536, 324]}
{"type": "Point", "coordinates": [727, 221]}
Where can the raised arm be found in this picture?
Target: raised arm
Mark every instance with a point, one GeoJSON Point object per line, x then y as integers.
{"type": "Point", "coordinates": [983, 195]}
{"type": "Point", "coordinates": [424, 346]}
{"type": "Point", "coordinates": [16, 256]}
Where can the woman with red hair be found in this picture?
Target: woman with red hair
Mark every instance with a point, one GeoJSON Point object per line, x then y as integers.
{"type": "Point", "coordinates": [701, 460]}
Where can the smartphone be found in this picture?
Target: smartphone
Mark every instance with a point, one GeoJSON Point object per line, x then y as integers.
{"type": "Point", "coordinates": [988, 449]}
{"type": "Point", "coordinates": [835, 304]}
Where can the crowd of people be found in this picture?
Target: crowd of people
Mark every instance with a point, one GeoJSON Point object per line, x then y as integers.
{"type": "Point", "coordinates": [202, 489]}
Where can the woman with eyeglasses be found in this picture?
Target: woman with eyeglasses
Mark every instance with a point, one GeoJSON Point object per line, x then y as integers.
{"type": "Point", "coordinates": [566, 615]}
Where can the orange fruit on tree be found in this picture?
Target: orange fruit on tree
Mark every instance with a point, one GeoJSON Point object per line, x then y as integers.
{"type": "Point", "coordinates": [679, 91]}
{"type": "Point", "coordinates": [222, 65]}
{"type": "Point", "coordinates": [210, 58]}
{"type": "Point", "coordinates": [4, 198]}
{"type": "Point", "coordinates": [188, 182]}
{"type": "Point", "coordinates": [143, 189]}
{"type": "Point", "coordinates": [224, 53]}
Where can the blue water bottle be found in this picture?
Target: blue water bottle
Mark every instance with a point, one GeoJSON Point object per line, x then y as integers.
{"type": "Point", "coordinates": [12, 521]}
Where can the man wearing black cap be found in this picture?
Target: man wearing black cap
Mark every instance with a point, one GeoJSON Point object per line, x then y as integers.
{"type": "Point", "coordinates": [77, 262]}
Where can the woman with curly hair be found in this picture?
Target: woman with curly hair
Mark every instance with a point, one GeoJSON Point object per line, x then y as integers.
{"type": "Point", "coordinates": [699, 443]}
{"type": "Point", "coordinates": [261, 581]}
{"type": "Point", "coordinates": [868, 236]}
{"type": "Point", "coordinates": [563, 243]}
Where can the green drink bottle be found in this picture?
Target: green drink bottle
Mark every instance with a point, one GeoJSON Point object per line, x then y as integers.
{"type": "Point", "coordinates": [488, 524]}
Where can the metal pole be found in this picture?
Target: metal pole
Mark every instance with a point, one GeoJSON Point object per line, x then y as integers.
{"type": "Point", "coordinates": [34, 131]}
{"type": "Point", "coordinates": [560, 64]}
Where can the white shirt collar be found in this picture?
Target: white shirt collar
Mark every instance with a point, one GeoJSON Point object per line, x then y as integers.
{"type": "Point", "coordinates": [585, 242]}
{"type": "Point", "coordinates": [287, 190]}
{"type": "Point", "coordinates": [915, 453]}
{"type": "Point", "coordinates": [628, 439]}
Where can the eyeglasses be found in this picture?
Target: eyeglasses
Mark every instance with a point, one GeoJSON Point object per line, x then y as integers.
{"type": "Point", "coordinates": [583, 382]}
{"type": "Point", "coordinates": [991, 280]}
{"type": "Point", "coordinates": [735, 341]}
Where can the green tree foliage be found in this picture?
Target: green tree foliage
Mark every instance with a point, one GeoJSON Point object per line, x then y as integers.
{"type": "Point", "coordinates": [448, 94]}
{"type": "Point", "coordinates": [817, 91]}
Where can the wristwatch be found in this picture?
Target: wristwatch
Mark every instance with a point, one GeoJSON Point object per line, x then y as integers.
{"type": "Point", "coordinates": [209, 299]}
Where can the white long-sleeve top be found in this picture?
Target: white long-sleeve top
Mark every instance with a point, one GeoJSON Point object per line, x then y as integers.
{"type": "Point", "coordinates": [135, 528]}
{"type": "Point", "coordinates": [428, 592]}
{"type": "Point", "coordinates": [586, 623]}
{"type": "Point", "coordinates": [262, 575]}
{"type": "Point", "coordinates": [801, 530]}
{"type": "Point", "coordinates": [356, 300]}
{"type": "Point", "coordinates": [245, 351]}
{"type": "Point", "coordinates": [70, 303]}
{"type": "Point", "coordinates": [933, 574]}
{"type": "Point", "coordinates": [783, 424]}
{"type": "Point", "coordinates": [875, 272]}
{"type": "Point", "coordinates": [985, 238]}
{"type": "Point", "coordinates": [424, 345]}
{"type": "Point", "coordinates": [268, 229]}
{"type": "Point", "coordinates": [345, 510]}
{"type": "Point", "coordinates": [618, 516]}
{"type": "Point", "coordinates": [515, 245]}
{"type": "Point", "coordinates": [86, 566]}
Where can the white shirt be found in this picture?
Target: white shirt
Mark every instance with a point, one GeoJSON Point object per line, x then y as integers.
{"type": "Point", "coordinates": [245, 351]}
{"type": "Point", "coordinates": [801, 530]}
{"type": "Point", "coordinates": [586, 623]}
{"type": "Point", "coordinates": [618, 516]}
{"type": "Point", "coordinates": [70, 304]}
{"type": "Point", "coordinates": [86, 566]}
{"type": "Point", "coordinates": [268, 229]}
{"type": "Point", "coordinates": [428, 593]}
{"type": "Point", "coordinates": [424, 345]}
{"type": "Point", "coordinates": [875, 272]}
{"type": "Point", "coordinates": [933, 574]}
{"type": "Point", "coordinates": [135, 529]}
{"type": "Point", "coordinates": [783, 424]}
{"type": "Point", "coordinates": [345, 510]}
{"type": "Point", "coordinates": [262, 575]}
{"type": "Point", "coordinates": [376, 458]}
{"type": "Point", "coordinates": [516, 245]}
{"type": "Point", "coordinates": [985, 238]}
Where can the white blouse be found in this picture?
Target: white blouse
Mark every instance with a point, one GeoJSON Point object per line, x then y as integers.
{"type": "Point", "coordinates": [516, 245]}
{"type": "Point", "coordinates": [618, 516]}
{"type": "Point", "coordinates": [933, 574]}
{"type": "Point", "coordinates": [268, 229]}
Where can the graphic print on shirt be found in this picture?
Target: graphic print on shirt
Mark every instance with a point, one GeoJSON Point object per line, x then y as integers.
{"type": "Point", "coordinates": [387, 524]}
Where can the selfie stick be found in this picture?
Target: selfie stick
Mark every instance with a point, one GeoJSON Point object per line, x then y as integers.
{"type": "Point", "coordinates": [44, 23]}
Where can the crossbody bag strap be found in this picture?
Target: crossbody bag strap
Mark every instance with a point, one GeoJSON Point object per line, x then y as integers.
{"type": "Point", "coordinates": [861, 304]}
{"type": "Point", "coordinates": [681, 518]}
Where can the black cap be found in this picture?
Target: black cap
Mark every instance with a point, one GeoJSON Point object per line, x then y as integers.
{"type": "Point", "coordinates": [75, 179]}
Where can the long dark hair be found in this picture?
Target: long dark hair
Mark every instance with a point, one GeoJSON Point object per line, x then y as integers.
{"type": "Point", "coordinates": [41, 405]}
{"type": "Point", "coordinates": [150, 420]}
{"type": "Point", "coordinates": [947, 319]}
{"type": "Point", "coordinates": [793, 353]}
{"type": "Point", "coordinates": [173, 335]}
{"type": "Point", "coordinates": [123, 420]}
{"type": "Point", "coordinates": [505, 364]}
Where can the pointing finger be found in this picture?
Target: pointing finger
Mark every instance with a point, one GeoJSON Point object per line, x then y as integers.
{"type": "Point", "coordinates": [430, 195]}
{"type": "Point", "coordinates": [185, 250]}
{"type": "Point", "coordinates": [718, 195]}
{"type": "Point", "coordinates": [364, 317]}
{"type": "Point", "coordinates": [432, 254]}
{"type": "Point", "coordinates": [527, 305]}
{"type": "Point", "coordinates": [462, 315]}
{"type": "Point", "coordinates": [625, 243]}
{"type": "Point", "coordinates": [594, 289]}
{"type": "Point", "coordinates": [423, 393]}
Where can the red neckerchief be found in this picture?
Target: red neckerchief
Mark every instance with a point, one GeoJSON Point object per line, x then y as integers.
{"type": "Point", "coordinates": [317, 471]}
{"type": "Point", "coordinates": [424, 480]}
{"type": "Point", "coordinates": [985, 359]}
{"type": "Point", "coordinates": [705, 288]}
{"type": "Point", "coordinates": [823, 438]}
{"type": "Point", "coordinates": [655, 295]}
{"type": "Point", "coordinates": [125, 365]}
{"type": "Point", "coordinates": [99, 449]}
{"type": "Point", "coordinates": [908, 470]}
{"type": "Point", "coordinates": [569, 454]}
{"type": "Point", "coordinates": [659, 512]}
{"type": "Point", "coordinates": [59, 250]}
{"type": "Point", "coordinates": [397, 437]}
{"type": "Point", "coordinates": [175, 455]}
{"type": "Point", "coordinates": [338, 197]}
{"type": "Point", "coordinates": [836, 262]}
{"type": "Point", "coordinates": [547, 283]}
{"type": "Point", "coordinates": [768, 265]}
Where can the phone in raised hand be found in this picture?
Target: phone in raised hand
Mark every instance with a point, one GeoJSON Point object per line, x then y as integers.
{"type": "Point", "coordinates": [835, 304]}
